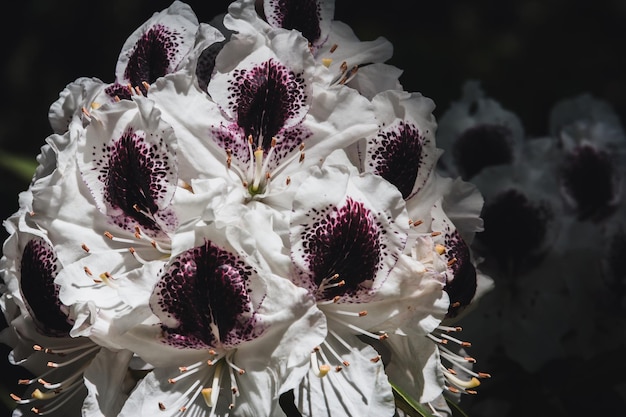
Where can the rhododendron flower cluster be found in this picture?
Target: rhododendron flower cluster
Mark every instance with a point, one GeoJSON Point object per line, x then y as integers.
{"type": "Point", "coordinates": [246, 221]}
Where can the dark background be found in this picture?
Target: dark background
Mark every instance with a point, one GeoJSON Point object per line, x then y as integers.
{"type": "Point", "coordinates": [528, 55]}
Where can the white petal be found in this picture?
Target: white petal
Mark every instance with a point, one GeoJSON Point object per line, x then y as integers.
{"type": "Point", "coordinates": [107, 382]}
{"type": "Point", "coordinates": [359, 389]}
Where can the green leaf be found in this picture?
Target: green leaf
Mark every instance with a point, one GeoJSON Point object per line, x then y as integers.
{"type": "Point", "coordinates": [407, 404]}
{"type": "Point", "coordinates": [22, 167]}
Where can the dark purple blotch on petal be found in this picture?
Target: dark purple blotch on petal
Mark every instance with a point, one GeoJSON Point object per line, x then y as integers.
{"type": "Point", "coordinates": [119, 92]}
{"type": "Point", "coordinates": [397, 154]}
{"type": "Point", "coordinates": [264, 98]}
{"type": "Point", "coordinates": [482, 146]}
{"type": "Point", "coordinates": [345, 241]}
{"type": "Point", "coordinates": [206, 290]}
{"type": "Point", "coordinates": [206, 64]}
{"type": "Point", "coordinates": [153, 56]}
{"type": "Point", "coordinates": [515, 232]}
{"type": "Point", "coordinates": [302, 15]}
{"type": "Point", "coordinates": [38, 269]}
{"type": "Point", "coordinates": [133, 176]}
{"type": "Point", "coordinates": [588, 176]}
{"type": "Point", "coordinates": [462, 287]}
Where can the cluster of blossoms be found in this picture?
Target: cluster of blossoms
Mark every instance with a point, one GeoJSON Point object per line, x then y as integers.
{"type": "Point", "coordinates": [554, 233]}
{"type": "Point", "coordinates": [248, 221]}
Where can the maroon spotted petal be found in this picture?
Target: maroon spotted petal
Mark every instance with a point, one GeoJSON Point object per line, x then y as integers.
{"type": "Point", "coordinates": [462, 287]}
{"type": "Point", "coordinates": [135, 175]}
{"type": "Point", "coordinates": [265, 98]}
{"type": "Point", "coordinates": [342, 244]}
{"type": "Point", "coordinates": [203, 299]}
{"type": "Point", "coordinates": [397, 154]}
{"type": "Point", "coordinates": [482, 146]}
{"type": "Point", "coordinates": [268, 101]}
{"type": "Point", "coordinates": [589, 179]}
{"type": "Point", "coordinates": [302, 15]}
{"type": "Point", "coordinates": [516, 230]}
{"type": "Point", "coordinates": [38, 269]}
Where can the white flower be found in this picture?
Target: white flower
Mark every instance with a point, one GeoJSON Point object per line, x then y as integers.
{"type": "Point", "coordinates": [39, 332]}
{"type": "Point", "coordinates": [249, 212]}
{"type": "Point", "coordinates": [267, 117]}
{"type": "Point", "coordinates": [348, 252]}
{"type": "Point", "coordinates": [593, 146]}
{"type": "Point", "coordinates": [232, 336]}
{"type": "Point", "coordinates": [476, 132]}
{"type": "Point", "coordinates": [358, 64]}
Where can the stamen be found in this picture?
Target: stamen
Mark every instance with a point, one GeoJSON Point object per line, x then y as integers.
{"type": "Point", "coordinates": [333, 352]}
{"type": "Point", "coordinates": [440, 249]}
{"type": "Point", "coordinates": [362, 313]}
{"type": "Point", "coordinates": [107, 279]}
{"type": "Point", "coordinates": [328, 283]}
{"type": "Point", "coordinates": [472, 383]}
{"type": "Point", "coordinates": [56, 398]}
{"type": "Point", "coordinates": [183, 375]}
{"type": "Point", "coordinates": [232, 365]}
{"type": "Point", "coordinates": [333, 48]}
{"type": "Point", "coordinates": [74, 359]}
{"type": "Point", "coordinates": [211, 394]}
{"type": "Point", "coordinates": [258, 172]}
{"type": "Point", "coordinates": [455, 340]}
{"type": "Point", "coordinates": [350, 75]}
{"type": "Point", "coordinates": [136, 256]}
{"type": "Point", "coordinates": [364, 332]}
{"type": "Point", "coordinates": [319, 371]}
{"type": "Point", "coordinates": [85, 247]}
{"type": "Point", "coordinates": [327, 61]}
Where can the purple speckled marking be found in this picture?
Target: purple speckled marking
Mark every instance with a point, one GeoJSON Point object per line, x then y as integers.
{"type": "Point", "coordinates": [482, 146]}
{"type": "Point", "coordinates": [264, 99]}
{"type": "Point", "coordinates": [203, 289]}
{"type": "Point", "coordinates": [462, 287]}
{"type": "Point", "coordinates": [118, 91]}
{"type": "Point", "coordinates": [38, 268]}
{"type": "Point", "coordinates": [397, 154]}
{"type": "Point", "coordinates": [588, 176]}
{"type": "Point", "coordinates": [153, 56]}
{"type": "Point", "coordinates": [302, 15]}
{"type": "Point", "coordinates": [515, 232]}
{"type": "Point", "coordinates": [135, 175]}
{"type": "Point", "coordinates": [206, 64]}
{"type": "Point", "coordinates": [347, 241]}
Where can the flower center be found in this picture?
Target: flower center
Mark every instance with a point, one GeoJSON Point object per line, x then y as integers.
{"type": "Point", "coordinates": [515, 232]}
{"type": "Point", "coordinates": [589, 179]}
{"type": "Point", "coordinates": [482, 146]}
